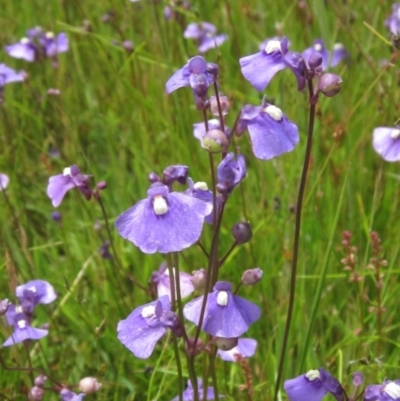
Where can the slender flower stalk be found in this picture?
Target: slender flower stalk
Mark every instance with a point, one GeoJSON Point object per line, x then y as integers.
{"type": "Point", "coordinates": [299, 206]}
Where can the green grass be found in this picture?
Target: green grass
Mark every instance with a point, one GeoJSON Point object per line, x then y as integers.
{"type": "Point", "coordinates": [115, 121]}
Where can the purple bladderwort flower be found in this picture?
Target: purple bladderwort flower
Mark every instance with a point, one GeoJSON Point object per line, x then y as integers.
{"type": "Point", "coordinates": [33, 293]}
{"type": "Point", "coordinates": [205, 35]}
{"type": "Point", "coordinates": [387, 391]}
{"type": "Point", "coordinates": [386, 142]}
{"type": "Point", "coordinates": [198, 74]}
{"type": "Point", "coordinates": [7, 76]}
{"type": "Point", "coordinates": [261, 67]}
{"type": "Point", "coordinates": [230, 172]}
{"type": "Point", "coordinates": [226, 315]}
{"type": "Point", "coordinates": [313, 386]}
{"type": "Point", "coordinates": [164, 222]}
{"type": "Point", "coordinates": [60, 184]}
{"type": "Point", "coordinates": [141, 330]}
{"type": "Point", "coordinates": [271, 132]}
{"type": "Point", "coordinates": [246, 348]}
{"type": "Point", "coordinates": [393, 22]}
{"type": "Point", "coordinates": [104, 250]}
{"type": "Point", "coordinates": [4, 181]}
{"type": "Point", "coordinates": [22, 330]}
{"type": "Point", "coordinates": [160, 279]}
{"type": "Point", "coordinates": [338, 55]}
{"type": "Point", "coordinates": [68, 395]}
{"type": "Point", "coordinates": [188, 394]}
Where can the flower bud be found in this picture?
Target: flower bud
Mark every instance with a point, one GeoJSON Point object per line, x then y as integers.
{"type": "Point", "coordinates": [199, 279]}
{"type": "Point", "coordinates": [330, 84]}
{"type": "Point", "coordinates": [128, 46]}
{"type": "Point", "coordinates": [101, 185]}
{"type": "Point", "coordinates": [215, 141]}
{"type": "Point", "coordinates": [40, 380]}
{"type": "Point", "coordinates": [225, 344]}
{"type": "Point", "coordinates": [36, 393]}
{"type": "Point", "coordinates": [224, 103]}
{"type": "Point", "coordinates": [56, 216]}
{"type": "Point", "coordinates": [252, 276]}
{"type": "Point", "coordinates": [153, 177]}
{"type": "Point", "coordinates": [315, 60]}
{"type": "Point", "coordinates": [189, 346]}
{"type": "Point", "coordinates": [358, 378]}
{"type": "Point", "coordinates": [4, 304]}
{"type": "Point", "coordinates": [242, 232]}
{"type": "Point", "coordinates": [212, 69]}
{"type": "Point", "coordinates": [89, 385]}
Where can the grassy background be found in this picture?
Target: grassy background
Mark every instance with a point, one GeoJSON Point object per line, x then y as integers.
{"type": "Point", "coordinates": [114, 120]}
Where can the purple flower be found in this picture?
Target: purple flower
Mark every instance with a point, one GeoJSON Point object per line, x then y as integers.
{"type": "Point", "coordinates": [226, 315]}
{"type": "Point", "coordinates": [68, 395]}
{"type": "Point", "coordinates": [60, 184]}
{"type": "Point", "coordinates": [23, 330]}
{"type": "Point", "coordinates": [393, 22]}
{"type": "Point", "coordinates": [104, 251]}
{"type": "Point", "coordinates": [164, 222]}
{"type": "Point", "coordinates": [261, 67]}
{"type": "Point", "coordinates": [339, 54]}
{"type": "Point", "coordinates": [246, 348]}
{"type": "Point", "coordinates": [4, 181]}
{"type": "Point", "coordinates": [33, 293]}
{"type": "Point", "coordinates": [53, 45]}
{"type": "Point", "coordinates": [271, 133]}
{"type": "Point", "coordinates": [8, 75]}
{"type": "Point", "coordinates": [198, 74]}
{"type": "Point", "coordinates": [387, 391]}
{"type": "Point", "coordinates": [199, 129]}
{"type": "Point", "coordinates": [161, 280]}
{"type": "Point", "coordinates": [141, 330]}
{"type": "Point", "coordinates": [205, 34]}
{"type": "Point", "coordinates": [188, 394]}
{"type": "Point", "coordinates": [230, 172]}
{"type": "Point", "coordinates": [386, 142]}
{"type": "Point", "coordinates": [24, 49]}
{"type": "Point", "coordinates": [313, 386]}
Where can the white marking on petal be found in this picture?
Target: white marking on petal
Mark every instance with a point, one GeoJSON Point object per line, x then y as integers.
{"type": "Point", "coordinates": [313, 375]}
{"type": "Point", "coordinates": [222, 298]}
{"type": "Point", "coordinates": [148, 311]}
{"type": "Point", "coordinates": [338, 46]}
{"type": "Point", "coordinates": [395, 134]}
{"type": "Point", "coordinates": [273, 46]}
{"type": "Point", "coordinates": [49, 35]}
{"type": "Point", "coordinates": [160, 205]}
{"type": "Point", "coordinates": [18, 309]}
{"type": "Point", "coordinates": [317, 47]}
{"type": "Point", "coordinates": [33, 289]}
{"type": "Point", "coordinates": [201, 185]}
{"type": "Point", "coordinates": [392, 390]}
{"type": "Point", "coordinates": [274, 112]}
{"type": "Point", "coordinates": [21, 323]}
{"type": "Point", "coordinates": [24, 41]}
{"type": "Point", "coordinates": [67, 172]}
{"type": "Point", "coordinates": [213, 121]}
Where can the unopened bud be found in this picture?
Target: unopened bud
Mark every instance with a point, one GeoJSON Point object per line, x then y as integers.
{"type": "Point", "coordinates": [252, 276]}
{"type": "Point", "coordinates": [40, 380]}
{"type": "Point", "coordinates": [242, 232]}
{"type": "Point", "coordinates": [315, 60]}
{"type": "Point", "coordinates": [4, 304]}
{"type": "Point", "coordinates": [89, 385]}
{"type": "Point", "coordinates": [330, 84]}
{"type": "Point", "coordinates": [101, 185]}
{"type": "Point", "coordinates": [358, 378]}
{"type": "Point", "coordinates": [128, 46]}
{"type": "Point", "coordinates": [215, 141]}
{"type": "Point", "coordinates": [225, 344]}
{"type": "Point", "coordinates": [190, 349]}
{"type": "Point", "coordinates": [153, 177]}
{"type": "Point", "coordinates": [212, 69]}
{"type": "Point", "coordinates": [56, 216]}
{"type": "Point", "coordinates": [224, 103]}
{"type": "Point", "coordinates": [199, 279]}
{"type": "Point", "coordinates": [36, 393]}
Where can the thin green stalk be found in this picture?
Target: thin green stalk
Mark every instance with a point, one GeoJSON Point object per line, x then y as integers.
{"type": "Point", "coordinates": [299, 206]}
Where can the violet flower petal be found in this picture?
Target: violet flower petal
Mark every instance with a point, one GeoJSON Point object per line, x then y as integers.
{"type": "Point", "coordinates": [246, 348]}
{"type": "Point", "coordinates": [4, 181]}
{"type": "Point", "coordinates": [386, 142]}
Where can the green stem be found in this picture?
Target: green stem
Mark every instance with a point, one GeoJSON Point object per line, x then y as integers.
{"type": "Point", "coordinates": [299, 206]}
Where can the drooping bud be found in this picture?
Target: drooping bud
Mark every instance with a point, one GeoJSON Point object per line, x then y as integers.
{"type": "Point", "coordinates": [315, 60]}
{"type": "Point", "coordinates": [225, 344]}
{"type": "Point", "coordinates": [242, 232]}
{"type": "Point", "coordinates": [224, 103]}
{"type": "Point", "coordinates": [36, 393]}
{"type": "Point", "coordinates": [252, 276]}
{"type": "Point", "coordinates": [330, 84]}
{"type": "Point", "coordinates": [212, 69]}
{"type": "Point", "coordinates": [89, 385]}
{"type": "Point", "coordinates": [40, 380]}
{"type": "Point", "coordinates": [190, 349]}
{"type": "Point", "coordinates": [4, 304]}
{"type": "Point", "coordinates": [215, 141]}
{"type": "Point", "coordinates": [199, 279]}
{"type": "Point", "coordinates": [101, 185]}
{"type": "Point", "coordinates": [128, 46]}
{"type": "Point", "coordinates": [153, 177]}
